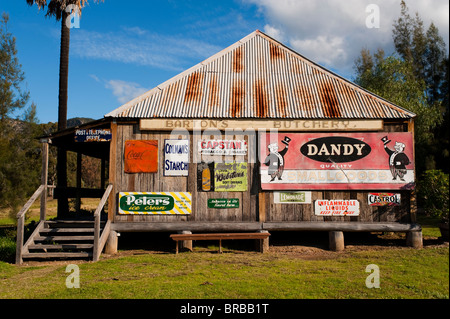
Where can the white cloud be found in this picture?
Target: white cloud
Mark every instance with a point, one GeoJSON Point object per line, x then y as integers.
{"type": "Point", "coordinates": [326, 49]}
{"type": "Point", "coordinates": [125, 91]}
{"type": "Point", "coordinates": [137, 46]}
{"type": "Point", "coordinates": [274, 32]}
{"type": "Point", "coordinates": [333, 32]}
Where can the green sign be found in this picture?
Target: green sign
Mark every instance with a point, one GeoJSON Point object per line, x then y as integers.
{"type": "Point", "coordinates": [223, 203]}
{"type": "Point", "coordinates": [230, 177]}
{"type": "Point", "coordinates": [154, 203]}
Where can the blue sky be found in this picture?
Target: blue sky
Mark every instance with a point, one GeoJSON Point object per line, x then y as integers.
{"type": "Point", "coordinates": [124, 48]}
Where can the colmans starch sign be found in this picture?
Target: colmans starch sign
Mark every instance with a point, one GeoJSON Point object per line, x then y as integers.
{"type": "Point", "coordinates": [337, 161]}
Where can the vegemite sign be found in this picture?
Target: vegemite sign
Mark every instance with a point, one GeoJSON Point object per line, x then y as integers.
{"type": "Point", "coordinates": [337, 161]}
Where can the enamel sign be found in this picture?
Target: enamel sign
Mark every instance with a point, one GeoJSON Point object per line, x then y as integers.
{"type": "Point", "coordinates": [222, 147]}
{"type": "Point", "coordinates": [337, 161]}
{"type": "Point", "coordinates": [336, 207]}
{"type": "Point", "coordinates": [176, 157]}
{"type": "Point", "coordinates": [141, 156]}
{"type": "Point", "coordinates": [384, 199]}
{"type": "Point", "coordinates": [93, 135]}
{"type": "Point", "coordinates": [152, 203]}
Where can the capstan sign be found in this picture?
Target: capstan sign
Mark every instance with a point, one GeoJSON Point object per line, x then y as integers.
{"type": "Point", "coordinates": [222, 147]}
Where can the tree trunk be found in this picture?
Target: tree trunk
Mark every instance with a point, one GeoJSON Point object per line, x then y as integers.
{"type": "Point", "coordinates": [63, 204]}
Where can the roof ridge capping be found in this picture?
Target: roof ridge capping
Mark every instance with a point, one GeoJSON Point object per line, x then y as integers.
{"type": "Point", "coordinates": [123, 110]}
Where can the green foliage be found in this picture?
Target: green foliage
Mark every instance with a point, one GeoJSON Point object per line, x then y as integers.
{"type": "Point", "coordinates": [7, 249]}
{"type": "Point", "coordinates": [415, 78]}
{"type": "Point", "coordinates": [12, 97]}
{"type": "Point", "coordinates": [19, 150]}
{"type": "Point", "coordinates": [434, 193]}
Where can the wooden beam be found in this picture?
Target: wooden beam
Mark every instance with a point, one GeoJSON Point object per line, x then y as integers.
{"type": "Point", "coordinates": [78, 193]}
{"type": "Point", "coordinates": [112, 171]}
{"type": "Point", "coordinates": [44, 180]}
{"type": "Point", "coordinates": [341, 226]}
{"type": "Point", "coordinates": [184, 226]}
{"type": "Point", "coordinates": [291, 125]}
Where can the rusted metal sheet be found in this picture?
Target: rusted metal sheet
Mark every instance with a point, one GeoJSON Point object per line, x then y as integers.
{"type": "Point", "coordinates": [259, 77]}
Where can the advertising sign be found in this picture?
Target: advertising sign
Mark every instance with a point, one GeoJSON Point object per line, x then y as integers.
{"type": "Point", "coordinates": [292, 197]}
{"type": "Point", "coordinates": [176, 157]}
{"type": "Point", "coordinates": [230, 177]}
{"type": "Point", "coordinates": [93, 135]}
{"type": "Point", "coordinates": [306, 161]}
{"type": "Point", "coordinates": [223, 203]}
{"type": "Point", "coordinates": [384, 199]}
{"type": "Point", "coordinates": [336, 207]}
{"type": "Point", "coordinates": [205, 177]}
{"type": "Point", "coordinates": [222, 147]}
{"type": "Point", "coordinates": [141, 156]}
{"type": "Point", "coordinates": [151, 203]}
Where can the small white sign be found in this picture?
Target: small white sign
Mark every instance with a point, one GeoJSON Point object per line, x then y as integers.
{"type": "Point", "coordinates": [336, 207]}
{"type": "Point", "coordinates": [222, 147]}
{"type": "Point", "coordinates": [288, 197]}
{"type": "Point", "coordinates": [176, 157]}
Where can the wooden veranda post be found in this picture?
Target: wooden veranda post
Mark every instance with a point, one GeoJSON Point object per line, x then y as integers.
{"type": "Point", "coordinates": [44, 178]}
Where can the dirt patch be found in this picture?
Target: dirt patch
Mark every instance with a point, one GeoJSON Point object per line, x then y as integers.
{"type": "Point", "coordinates": [308, 246]}
{"type": "Point", "coordinates": [304, 245]}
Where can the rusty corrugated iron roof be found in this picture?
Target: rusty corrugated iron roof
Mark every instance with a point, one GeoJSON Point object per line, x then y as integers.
{"type": "Point", "coordinates": [258, 77]}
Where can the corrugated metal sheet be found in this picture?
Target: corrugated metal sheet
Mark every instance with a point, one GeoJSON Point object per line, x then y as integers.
{"type": "Point", "coordinates": [259, 77]}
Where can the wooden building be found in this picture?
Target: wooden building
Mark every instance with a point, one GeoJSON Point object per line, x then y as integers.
{"type": "Point", "coordinates": [255, 138]}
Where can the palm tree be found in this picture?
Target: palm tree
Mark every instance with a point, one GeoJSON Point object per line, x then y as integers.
{"type": "Point", "coordinates": [57, 9]}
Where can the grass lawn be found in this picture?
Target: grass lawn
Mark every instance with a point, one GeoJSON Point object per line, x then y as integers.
{"type": "Point", "coordinates": [299, 267]}
{"type": "Point", "coordinates": [204, 274]}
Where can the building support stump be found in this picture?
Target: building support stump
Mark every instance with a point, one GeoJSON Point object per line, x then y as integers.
{"type": "Point", "coordinates": [414, 239]}
{"type": "Point", "coordinates": [185, 244]}
{"type": "Point", "coordinates": [262, 245]}
{"type": "Point", "coordinates": [336, 240]}
{"type": "Point", "coordinates": [112, 243]}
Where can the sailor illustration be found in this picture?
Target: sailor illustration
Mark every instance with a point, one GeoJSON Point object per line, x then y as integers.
{"type": "Point", "coordinates": [397, 159]}
{"type": "Point", "coordinates": [275, 159]}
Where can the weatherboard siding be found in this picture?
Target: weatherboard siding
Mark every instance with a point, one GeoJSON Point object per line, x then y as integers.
{"type": "Point", "coordinates": [255, 205]}
{"type": "Point", "coordinates": [157, 182]}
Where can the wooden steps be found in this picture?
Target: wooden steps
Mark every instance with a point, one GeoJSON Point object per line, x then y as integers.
{"type": "Point", "coordinates": [62, 239]}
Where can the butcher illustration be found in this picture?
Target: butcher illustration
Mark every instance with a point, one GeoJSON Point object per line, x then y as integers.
{"type": "Point", "coordinates": [275, 159]}
{"type": "Point", "coordinates": [397, 159]}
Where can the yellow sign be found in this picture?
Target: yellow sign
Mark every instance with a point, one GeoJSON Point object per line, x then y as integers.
{"type": "Point", "coordinates": [153, 203]}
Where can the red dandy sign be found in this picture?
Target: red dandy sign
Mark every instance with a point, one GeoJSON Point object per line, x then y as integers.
{"type": "Point", "coordinates": [337, 161]}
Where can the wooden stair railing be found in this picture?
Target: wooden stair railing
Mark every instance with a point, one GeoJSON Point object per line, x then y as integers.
{"type": "Point", "coordinates": [63, 238]}
{"type": "Point", "coordinates": [100, 241]}
{"type": "Point", "coordinates": [20, 247]}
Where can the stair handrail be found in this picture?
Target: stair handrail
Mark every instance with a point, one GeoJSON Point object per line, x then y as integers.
{"type": "Point", "coordinates": [21, 221]}
{"type": "Point", "coordinates": [97, 242]}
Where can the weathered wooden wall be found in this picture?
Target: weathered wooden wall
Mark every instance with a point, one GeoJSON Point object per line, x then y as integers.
{"type": "Point", "coordinates": [157, 182]}
{"type": "Point", "coordinates": [255, 205]}
{"type": "Point", "coordinates": [305, 212]}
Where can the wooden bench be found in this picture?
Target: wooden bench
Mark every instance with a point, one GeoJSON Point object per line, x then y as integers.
{"type": "Point", "coordinates": [219, 237]}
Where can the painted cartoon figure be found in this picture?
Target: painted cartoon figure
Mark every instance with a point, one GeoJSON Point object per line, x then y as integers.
{"type": "Point", "coordinates": [275, 159]}
{"type": "Point", "coordinates": [397, 159]}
